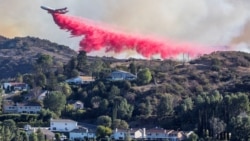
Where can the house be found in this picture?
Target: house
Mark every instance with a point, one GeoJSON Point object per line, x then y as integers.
{"type": "Point", "coordinates": [42, 95]}
{"type": "Point", "coordinates": [62, 125]}
{"type": "Point", "coordinates": [48, 135]}
{"type": "Point", "coordinates": [176, 136]}
{"type": "Point", "coordinates": [121, 75]}
{"type": "Point", "coordinates": [77, 104]}
{"type": "Point", "coordinates": [15, 86]}
{"type": "Point", "coordinates": [163, 134]}
{"type": "Point", "coordinates": [81, 133]}
{"type": "Point", "coordinates": [27, 107]}
{"type": "Point", "coordinates": [158, 134]}
{"type": "Point", "coordinates": [120, 134]}
{"type": "Point", "coordinates": [80, 80]}
{"type": "Point", "coordinates": [9, 106]}
{"type": "Point", "coordinates": [35, 93]}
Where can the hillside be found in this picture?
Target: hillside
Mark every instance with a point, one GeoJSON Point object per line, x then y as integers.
{"type": "Point", "coordinates": [18, 54]}
{"type": "Point", "coordinates": [182, 95]}
{"type": "Point", "coordinates": [226, 71]}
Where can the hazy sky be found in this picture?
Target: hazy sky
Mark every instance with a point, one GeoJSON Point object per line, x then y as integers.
{"type": "Point", "coordinates": [211, 22]}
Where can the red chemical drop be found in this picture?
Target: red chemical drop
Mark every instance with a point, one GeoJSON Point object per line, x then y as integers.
{"type": "Point", "coordinates": [96, 37]}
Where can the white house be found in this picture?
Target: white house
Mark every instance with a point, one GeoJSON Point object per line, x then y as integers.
{"type": "Point", "coordinates": [121, 75]}
{"type": "Point", "coordinates": [81, 134]}
{"type": "Point", "coordinates": [9, 106]}
{"type": "Point", "coordinates": [62, 125]}
{"type": "Point", "coordinates": [77, 104]}
{"type": "Point", "coordinates": [158, 133]}
{"type": "Point", "coordinates": [80, 80]}
{"type": "Point", "coordinates": [120, 134]}
{"type": "Point", "coordinates": [15, 86]}
{"type": "Point", "coordinates": [28, 107]}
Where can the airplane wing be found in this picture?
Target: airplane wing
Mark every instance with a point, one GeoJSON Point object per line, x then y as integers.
{"type": "Point", "coordinates": [65, 8]}
{"type": "Point", "coordinates": [60, 10]}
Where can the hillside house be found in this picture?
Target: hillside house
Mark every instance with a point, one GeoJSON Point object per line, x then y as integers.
{"type": "Point", "coordinates": [121, 75]}
{"type": "Point", "coordinates": [176, 136]}
{"type": "Point", "coordinates": [62, 125]}
{"type": "Point", "coordinates": [158, 133]}
{"type": "Point", "coordinates": [48, 135]}
{"type": "Point", "coordinates": [80, 80]}
{"type": "Point", "coordinates": [77, 104]}
{"type": "Point", "coordinates": [15, 86]}
{"type": "Point", "coordinates": [27, 107]}
{"type": "Point", "coordinates": [81, 134]}
{"type": "Point", "coordinates": [120, 134]}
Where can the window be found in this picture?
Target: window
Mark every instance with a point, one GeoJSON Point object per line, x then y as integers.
{"type": "Point", "coordinates": [65, 123]}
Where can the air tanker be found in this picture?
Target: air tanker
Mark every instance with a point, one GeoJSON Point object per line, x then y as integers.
{"type": "Point", "coordinates": [51, 10]}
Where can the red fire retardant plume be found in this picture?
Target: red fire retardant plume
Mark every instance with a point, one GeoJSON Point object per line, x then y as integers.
{"type": "Point", "coordinates": [96, 37]}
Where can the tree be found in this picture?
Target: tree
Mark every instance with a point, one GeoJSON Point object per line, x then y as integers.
{"type": "Point", "coordinates": [33, 137]}
{"type": "Point", "coordinates": [52, 81]}
{"type": "Point", "coordinates": [40, 80]}
{"type": "Point", "coordinates": [217, 126]}
{"type": "Point", "coordinates": [103, 131]}
{"type": "Point", "coordinates": [145, 109]}
{"type": "Point", "coordinates": [19, 78]}
{"type": "Point", "coordinates": [40, 135]}
{"type": "Point", "coordinates": [103, 107]}
{"type": "Point", "coordinates": [144, 76]}
{"type": "Point", "coordinates": [1, 93]}
{"type": "Point", "coordinates": [23, 136]}
{"type": "Point", "coordinates": [125, 110]}
{"type": "Point", "coordinates": [8, 129]}
{"type": "Point", "coordinates": [57, 137]}
{"type": "Point", "coordinates": [95, 101]}
{"type": "Point", "coordinates": [240, 128]}
{"type": "Point", "coordinates": [114, 91]}
{"type": "Point", "coordinates": [43, 63]}
{"type": "Point", "coordinates": [132, 68]}
{"type": "Point", "coordinates": [96, 67]}
{"type": "Point", "coordinates": [66, 89]}
{"type": "Point", "coordinates": [82, 61]}
{"type": "Point", "coordinates": [120, 124]}
{"type": "Point", "coordinates": [69, 67]}
{"type": "Point", "coordinates": [126, 85]}
{"type": "Point", "coordinates": [165, 107]}
{"type": "Point", "coordinates": [55, 101]}
{"type": "Point", "coordinates": [193, 137]}
{"type": "Point", "coordinates": [104, 121]}
{"type": "Point", "coordinates": [29, 79]}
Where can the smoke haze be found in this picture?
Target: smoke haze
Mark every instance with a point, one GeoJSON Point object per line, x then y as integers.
{"type": "Point", "coordinates": [211, 22]}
